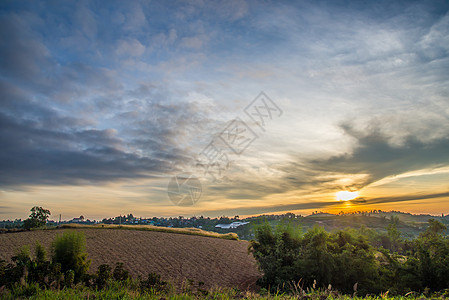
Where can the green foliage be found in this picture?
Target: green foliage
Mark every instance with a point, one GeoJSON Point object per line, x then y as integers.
{"type": "Point", "coordinates": [37, 218]}
{"type": "Point", "coordinates": [120, 274]}
{"type": "Point", "coordinates": [39, 267]}
{"type": "Point", "coordinates": [69, 250]}
{"type": "Point", "coordinates": [26, 269]}
{"type": "Point", "coordinates": [435, 227]}
{"type": "Point", "coordinates": [119, 290]}
{"type": "Point", "coordinates": [23, 257]}
{"type": "Point", "coordinates": [26, 290]}
{"type": "Point", "coordinates": [296, 265]}
{"type": "Point", "coordinates": [154, 284]}
{"type": "Point", "coordinates": [432, 251]}
{"type": "Point", "coordinates": [69, 278]}
{"type": "Point", "coordinates": [104, 273]}
{"type": "Point", "coordinates": [347, 258]}
{"type": "Point", "coordinates": [276, 252]}
{"type": "Point", "coordinates": [40, 253]}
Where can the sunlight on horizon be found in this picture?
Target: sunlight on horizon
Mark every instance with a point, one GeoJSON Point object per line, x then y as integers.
{"type": "Point", "coordinates": [346, 195]}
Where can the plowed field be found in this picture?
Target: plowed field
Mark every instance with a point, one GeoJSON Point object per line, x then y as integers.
{"type": "Point", "coordinates": [176, 257]}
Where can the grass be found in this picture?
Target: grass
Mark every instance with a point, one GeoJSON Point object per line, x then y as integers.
{"type": "Point", "coordinates": [188, 231]}
{"type": "Point", "coordinates": [117, 290]}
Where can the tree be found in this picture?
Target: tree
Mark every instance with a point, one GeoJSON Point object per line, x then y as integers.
{"type": "Point", "coordinates": [341, 258]}
{"type": "Point", "coordinates": [394, 236]}
{"type": "Point", "coordinates": [37, 218]}
{"type": "Point", "coordinates": [435, 227]}
{"type": "Point", "coordinates": [432, 252]}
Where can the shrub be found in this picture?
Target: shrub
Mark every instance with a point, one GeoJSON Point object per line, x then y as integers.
{"type": "Point", "coordinates": [69, 250]}
{"type": "Point", "coordinates": [120, 274]}
{"type": "Point", "coordinates": [103, 275]}
{"type": "Point", "coordinates": [39, 266]}
{"type": "Point", "coordinates": [154, 284]}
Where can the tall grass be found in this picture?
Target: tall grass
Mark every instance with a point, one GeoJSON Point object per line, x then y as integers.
{"type": "Point", "coordinates": [117, 290]}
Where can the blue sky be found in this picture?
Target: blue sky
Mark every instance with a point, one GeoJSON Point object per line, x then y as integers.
{"type": "Point", "coordinates": [103, 102]}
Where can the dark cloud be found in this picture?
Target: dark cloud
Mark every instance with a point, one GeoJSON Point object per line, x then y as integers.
{"type": "Point", "coordinates": [396, 199]}
{"type": "Point", "coordinates": [22, 55]}
{"type": "Point", "coordinates": [68, 121]}
{"type": "Point", "coordinates": [251, 210]}
{"type": "Point", "coordinates": [41, 146]}
{"type": "Point", "coordinates": [33, 155]}
{"type": "Point", "coordinates": [376, 156]}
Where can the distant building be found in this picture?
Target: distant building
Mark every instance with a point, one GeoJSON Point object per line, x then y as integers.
{"type": "Point", "coordinates": [232, 225]}
{"type": "Point", "coordinates": [77, 220]}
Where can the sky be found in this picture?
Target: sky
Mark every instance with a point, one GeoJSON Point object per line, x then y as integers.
{"type": "Point", "coordinates": [169, 108]}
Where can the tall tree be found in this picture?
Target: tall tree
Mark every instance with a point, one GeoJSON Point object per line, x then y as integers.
{"type": "Point", "coordinates": [37, 218]}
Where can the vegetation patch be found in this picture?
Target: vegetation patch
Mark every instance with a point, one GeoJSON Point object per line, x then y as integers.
{"type": "Point", "coordinates": [189, 231]}
{"type": "Point", "coordinates": [347, 261]}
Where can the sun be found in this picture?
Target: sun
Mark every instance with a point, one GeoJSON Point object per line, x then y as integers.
{"type": "Point", "coordinates": [345, 195]}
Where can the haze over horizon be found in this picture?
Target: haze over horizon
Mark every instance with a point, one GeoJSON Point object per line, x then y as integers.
{"type": "Point", "coordinates": [103, 103]}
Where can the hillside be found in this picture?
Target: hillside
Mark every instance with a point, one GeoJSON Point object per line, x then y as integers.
{"type": "Point", "coordinates": [408, 224]}
{"type": "Point", "coordinates": [176, 257]}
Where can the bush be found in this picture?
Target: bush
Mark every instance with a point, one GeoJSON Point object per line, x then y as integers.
{"type": "Point", "coordinates": [104, 273]}
{"type": "Point", "coordinates": [39, 267]}
{"type": "Point", "coordinates": [69, 250]}
{"type": "Point", "coordinates": [154, 284]}
{"type": "Point", "coordinates": [120, 274]}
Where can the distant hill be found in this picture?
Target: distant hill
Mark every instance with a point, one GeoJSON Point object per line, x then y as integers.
{"type": "Point", "coordinates": [408, 224]}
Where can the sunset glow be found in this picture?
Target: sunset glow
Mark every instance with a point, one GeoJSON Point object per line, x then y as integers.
{"type": "Point", "coordinates": [265, 107]}
{"type": "Point", "coordinates": [345, 195]}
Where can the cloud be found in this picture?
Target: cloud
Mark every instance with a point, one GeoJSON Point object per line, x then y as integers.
{"type": "Point", "coordinates": [43, 146]}
{"type": "Point", "coordinates": [33, 155]}
{"type": "Point", "coordinates": [22, 55]}
{"type": "Point", "coordinates": [376, 156]}
{"type": "Point", "coordinates": [131, 47]}
{"type": "Point", "coordinates": [435, 42]}
{"type": "Point", "coordinates": [232, 10]}
{"type": "Point", "coordinates": [195, 42]}
{"type": "Point", "coordinates": [4, 210]}
{"type": "Point", "coordinates": [398, 199]}
{"type": "Point", "coordinates": [253, 210]}
{"type": "Point", "coordinates": [85, 20]}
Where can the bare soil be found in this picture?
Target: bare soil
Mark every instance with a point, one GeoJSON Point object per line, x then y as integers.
{"type": "Point", "coordinates": [176, 257]}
